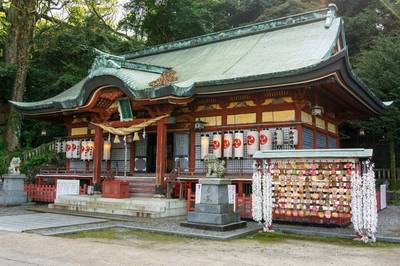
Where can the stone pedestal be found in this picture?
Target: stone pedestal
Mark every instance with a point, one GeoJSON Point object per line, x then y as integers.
{"type": "Point", "coordinates": [13, 192]}
{"type": "Point", "coordinates": [214, 211]}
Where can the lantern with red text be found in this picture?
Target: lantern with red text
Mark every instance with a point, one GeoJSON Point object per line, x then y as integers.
{"type": "Point", "coordinates": [68, 149]}
{"type": "Point", "coordinates": [228, 138]}
{"type": "Point", "coordinates": [252, 142]}
{"type": "Point", "coordinates": [265, 140]}
{"type": "Point", "coordinates": [83, 153]}
{"type": "Point", "coordinates": [217, 147]}
{"type": "Point", "coordinates": [238, 144]}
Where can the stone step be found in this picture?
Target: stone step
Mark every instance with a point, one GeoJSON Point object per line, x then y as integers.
{"type": "Point", "coordinates": [142, 190]}
{"type": "Point", "coordinates": [146, 195]}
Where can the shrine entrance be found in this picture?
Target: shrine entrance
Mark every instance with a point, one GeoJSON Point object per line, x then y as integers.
{"type": "Point", "coordinates": [152, 152]}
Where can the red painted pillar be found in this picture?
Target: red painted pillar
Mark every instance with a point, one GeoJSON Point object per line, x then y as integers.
{"type": "Point", "coordinates": [97, 157]}
{"type": "Point", "coordinates": [161, 155]}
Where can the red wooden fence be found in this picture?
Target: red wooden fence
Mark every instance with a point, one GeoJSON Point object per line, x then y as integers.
{"type": "Point", "coordinates": [45, 193]}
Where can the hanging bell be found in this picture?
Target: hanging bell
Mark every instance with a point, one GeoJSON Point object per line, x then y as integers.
{"type": "Point", "coordinates": [116, 139]}
{"type": "Point", "coordinates": [129, 139]}
{"type": "Point", "coordinates": [136, 137]}
{"type": "Point", "coordinates": [144, 133]}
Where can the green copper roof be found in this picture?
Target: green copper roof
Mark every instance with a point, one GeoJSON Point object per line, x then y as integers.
{"type": "Point", "coordinates": [265, 51]}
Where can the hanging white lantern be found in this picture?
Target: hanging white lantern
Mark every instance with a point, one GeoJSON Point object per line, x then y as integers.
{"type": "Point", "coordinates": [238, 144]}
{"type": "Point", "coordinates": [217, 147]}
{"type": "Point", "coordinates": [58, 146]}
{"type": "Point", "coordinates": [279, 136]}
{"type": "Point", "coordinates": [294, 136]}
{"type": "Point", "coordinates": [63, 144]}
{"type": "Point", "coordinates": [252, 142]}
{"type": "Point", "coordinates": [228, 138]}
{"type": "Point", "coordinates": [107, 150]}
{"type": "Point", "coordinates": [89, 149]}
{"type": "Point", "coordinates": [76, 149]}
{"type": "Point", "coordinates": [83, 150]}
{"type": "Point", "coordinates": [205, 143]}
{"type": "Point", "coordinates": [265, 140]}
{"type": "Point", "coordinates": [68, 149]}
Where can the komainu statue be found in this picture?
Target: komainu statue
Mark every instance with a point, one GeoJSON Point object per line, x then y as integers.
{"type": "Point", "coordinates": [14, 166]}
{"type": "Point", "coordinates": [215, 168]}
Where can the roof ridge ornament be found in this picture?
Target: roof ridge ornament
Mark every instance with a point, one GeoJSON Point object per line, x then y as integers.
{"type": "Point", "coordinates": [105, 60]}
{"type": "Point", "coordinates": [331, 15]}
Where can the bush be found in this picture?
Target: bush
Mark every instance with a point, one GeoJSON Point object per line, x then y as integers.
{"type": "Point", "coordinates": [30, 167]}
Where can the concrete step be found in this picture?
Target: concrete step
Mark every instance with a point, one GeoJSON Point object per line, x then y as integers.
{"type": "Point", "coordinates": [142, 190]}
{"type": "Point", "coordinates": [145, 195]}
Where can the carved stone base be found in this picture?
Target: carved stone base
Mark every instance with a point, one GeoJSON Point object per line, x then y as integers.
{"type": "Point", "coordinates": [214, 211]}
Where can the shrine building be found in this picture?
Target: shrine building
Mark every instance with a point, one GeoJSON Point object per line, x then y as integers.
{"type": "Point", "coordinates": [154, 113]}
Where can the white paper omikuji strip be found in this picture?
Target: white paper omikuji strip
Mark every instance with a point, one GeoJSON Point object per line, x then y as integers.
{"type": "Point", "coordinates": [356, 200]}
{"type": "Point", "coordinates": [370, 217]}
{"type": "Point", "coordinates": [267, 197]}
{"type": "Point", "coordinates": [256, 207]}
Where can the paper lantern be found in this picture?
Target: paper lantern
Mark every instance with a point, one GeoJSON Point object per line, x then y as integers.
{"type": "Point", "coordinates": [205, 143]}
{"type": "Point", "coordinates": [68, 149]}
{"type": "Point", "coordinates": [228, 138]}
{"type": "Point", "coordinates": [76, 149]}
{"type": "Point", "coordinates": [107, 150]}
{"type": "Point", "coordinates": [89, 149]}
{"type": "Point", "coordinates": [279, 136]}
{"type": "Point", "coordinates": [59, 147]}
{"type": "Point", "coordinates": [238, 144]}
{"type": "Point", "coordinates": [217, 147]}
{"type": "Point", "coordinates": [252, 142]}
{"type": "Point", "coordinates": [265, 140]}
{"type": "Point", "coordinates": [83, 150]}
{"type": "Point", "coordinates": [294, 137]}
{"type": "Point", "coordinates": [63, 144]}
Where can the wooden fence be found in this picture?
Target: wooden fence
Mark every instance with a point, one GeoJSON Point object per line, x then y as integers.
{"type": "Point", "coordinates": [42, 149]}
{"type": "Point", "coordinates": [45, 193]}
{"type": "Point", "coordinates": [384, 173]}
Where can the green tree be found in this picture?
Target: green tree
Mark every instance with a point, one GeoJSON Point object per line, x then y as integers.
{"type": "Point", "coordinates": [379, 68]}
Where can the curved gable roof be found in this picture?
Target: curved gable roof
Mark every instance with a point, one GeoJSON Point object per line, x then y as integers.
{"type": "Point", "coordinates": [278, 48]}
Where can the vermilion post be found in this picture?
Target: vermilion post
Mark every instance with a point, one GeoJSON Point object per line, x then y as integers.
{"type": "Point", "coordinates": [160, 156]}
{"type": "Point", "coordinates": [97, 157]}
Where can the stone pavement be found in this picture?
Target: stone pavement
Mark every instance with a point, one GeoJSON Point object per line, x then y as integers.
{"type": "Point", "coordinates": [388, 226]}
{"type": "Point", "coordinates": [25, 222]}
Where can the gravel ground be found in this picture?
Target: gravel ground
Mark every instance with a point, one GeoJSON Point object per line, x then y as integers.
{"type": "Point", "coordinates": [33, 249]}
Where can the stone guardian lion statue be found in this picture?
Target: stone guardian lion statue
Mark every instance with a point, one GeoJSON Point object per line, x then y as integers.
{"type": "Point", "coordinates": [215, 168]}
{"type": "Point", "coordinates": [14, 166]}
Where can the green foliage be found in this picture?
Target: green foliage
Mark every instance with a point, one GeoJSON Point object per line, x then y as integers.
{"type": "Point", "coordinates": [379, 68]}
{"type": "Point", "coordinates": [5, 159]}
{"type": "Point", "coordinates": [30, 166]}
{"type": "Point", "coordinates": [7, 74]}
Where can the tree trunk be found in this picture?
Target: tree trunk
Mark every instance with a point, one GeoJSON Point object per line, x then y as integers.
{"type": "Point", "coordinates": [22, 18]}
{"type": "Point", "coordinates": [392, 154]}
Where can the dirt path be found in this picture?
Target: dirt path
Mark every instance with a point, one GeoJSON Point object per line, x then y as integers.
{"type": "Point", "coordinates": [30, 249]}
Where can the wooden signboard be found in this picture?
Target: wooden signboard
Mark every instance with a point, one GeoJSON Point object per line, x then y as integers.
{"type": "Point", "coordinates": [125, 109]}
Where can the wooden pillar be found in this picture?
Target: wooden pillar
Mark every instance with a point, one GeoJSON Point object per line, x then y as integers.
{"type": "Point", "coordinates": [97, 157]}
{"type": "Point", "coordinates": [192, 150]}
{"type": "Point", "coordinates": [161, 150]}
{"type": "Point", "coordinates": [132, 157]}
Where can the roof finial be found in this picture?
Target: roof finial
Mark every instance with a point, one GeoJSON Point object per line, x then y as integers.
{"type": "Point", "coordinates": [332, 9]}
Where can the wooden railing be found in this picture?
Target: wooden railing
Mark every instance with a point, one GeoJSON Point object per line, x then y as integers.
{"type": "Point", "coordinates": [384, 173]}
{"type": "Point", "coordinates": [42, 149]}
{"type": "Point", "coordinates": [45, 193]}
